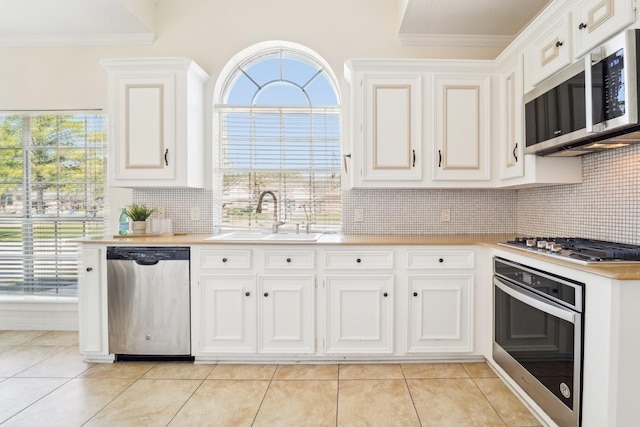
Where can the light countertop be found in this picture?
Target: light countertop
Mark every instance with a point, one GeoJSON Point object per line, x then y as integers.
{"type": "Point", "coordinates": [618, 271]}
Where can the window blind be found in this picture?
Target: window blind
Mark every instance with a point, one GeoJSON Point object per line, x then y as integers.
{"type": "Point", "coordinates": [51, 190]}
{"type": "Point", "coordinates": [292, 151]}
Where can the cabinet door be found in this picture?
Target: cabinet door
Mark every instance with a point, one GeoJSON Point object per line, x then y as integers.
{"type": "Point", "coordinates": [145, 145]}
{"type": "Point", "coordinates": [359, 314]}
{"type": "Point", "coordinates": [462, 127]}
{"type": "Point", "coordinates": [440, 313]}
{"type": "Point", "coordinates": [389, 148]}
{"type": "Point", "coordinates": [92, 298]}
{"type": "Point", "coordinates": [287, 314]}
{"type": "Point", "coordinates": [228, 314]}
{"type": "Point", "coordinates": [597, 20]}
{"type": "Point", "coordinates": [550, 52]}
{"type": "Point", "coordinates": [511, 106]}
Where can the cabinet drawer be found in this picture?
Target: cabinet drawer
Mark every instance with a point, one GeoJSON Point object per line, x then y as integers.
{"type": "Point", "coordinates": [439, 259]}
{"type": "Point", "coordinates": [366, 260]}
{"type": "Point", "coordinates": [289, 259]}
{"type": "Point", "coordinates": [225, 259]}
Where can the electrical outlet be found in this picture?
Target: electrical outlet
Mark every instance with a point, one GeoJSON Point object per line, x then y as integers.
{"type": "Point", "coordinates": [160, 213]}
{"type": "Point", "coordinates": [195, 214]}
{"type": "Point", "coordinates": [358, 215]}
{"type": "Point", "coordinates": [446, 214]}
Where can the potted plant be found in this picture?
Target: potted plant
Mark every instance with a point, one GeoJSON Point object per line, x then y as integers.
{"type": "Point", "coordinates": [138, 214]}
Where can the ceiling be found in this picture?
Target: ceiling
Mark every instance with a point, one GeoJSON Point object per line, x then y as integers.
{"type": "Point", "coordinates": [96, 22]}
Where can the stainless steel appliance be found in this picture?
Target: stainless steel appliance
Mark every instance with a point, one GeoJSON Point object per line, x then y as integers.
{"type": "Point", "coordinates": [538, 320]}
{"type": "Point", "coordinates": [591, 105]}
{"type": "Point", "coordinates": [149, 301]}
{"type": "Point", "coordinates": [577, 250]}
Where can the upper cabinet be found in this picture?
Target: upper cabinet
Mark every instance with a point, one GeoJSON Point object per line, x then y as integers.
{"type": "Point", "coordinates": [550, 51]}
{"type": "Point", "coordinates": [510, 153]}
{"type": "Point", "coordinates": [596, 20]}
{"type": "Point", "coordinates": [156, 122]}
{"type": "Point", "coordinates": [462, 127]}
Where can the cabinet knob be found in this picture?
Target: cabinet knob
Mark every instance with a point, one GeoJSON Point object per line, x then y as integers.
{"type": "Point", "coordinates": [582, 26]}
{"type": "Point", "coordinates": [358, 260]}
{"type": "Point", "coordinates": [247, 294]}
{"type": "Point", "coordinates": [89, 268]}
{"type": "Point", "coordinates": [224, 260]}
{"type": "Point", "coordinates": [288, 259]}
{"type": "Point", "coordinates": [441, 260]}
{"type": "Point", "coordinates": [385, 295]}
{"type": "Point", "coordinates": [415, 294]}
{"type": "Point", "coordinates": [559, 43]}
{"type": "Point", "coordinates": [266, 294]}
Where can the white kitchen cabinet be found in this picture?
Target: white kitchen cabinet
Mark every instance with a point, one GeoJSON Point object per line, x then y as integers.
{"type": "Point", "coordinates": [386, 149]}
{"type": "Point", "coordinates": [360, 314]}
{"type": "Point", "coordinates": [156, 111]}
{"type": "Point", "coordinates": [549, 52]}
{"type": "Point", "coordinates": [92, 308]}
{"type": "Point", "coordinates": [440, 284]}
{"type": "Point", "coordinates": [440, 313]}
{"type": "Point", "coordinates": [287, 314]}
{"type": "Point", "coordinates": [511, 153]}
{"type": "Point", "coordinates": [462, 127]}
{"type": "Point", "coordinates": [597, 20]}
{"type": "Point", "coordinates": [228, 314]}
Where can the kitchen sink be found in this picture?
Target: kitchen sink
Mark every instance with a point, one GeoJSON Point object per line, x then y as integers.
{"type": "Point", "coordinates": [248, 236]}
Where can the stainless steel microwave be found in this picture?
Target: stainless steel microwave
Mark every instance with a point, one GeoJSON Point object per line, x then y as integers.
{"type": "Point", "coordinates": [589, 106]}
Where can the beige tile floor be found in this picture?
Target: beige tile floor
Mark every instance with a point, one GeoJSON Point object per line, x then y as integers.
{"type": "Point", "coordinates": [43, 382]}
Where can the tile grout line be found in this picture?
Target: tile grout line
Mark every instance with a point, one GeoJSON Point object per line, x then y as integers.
{"type": "Point", "coordinates": [264, 396]}
{"type": "Point", "coordinates": [187, 399]}
{"type": "Point", "coordinates": [406, 383]}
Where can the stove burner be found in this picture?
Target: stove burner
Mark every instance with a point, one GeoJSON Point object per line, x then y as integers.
{"type": "Point", "coordinates": [580, 250]}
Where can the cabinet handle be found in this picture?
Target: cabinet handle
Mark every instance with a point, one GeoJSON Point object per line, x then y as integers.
{"type": "Point", "coordinates": [224, 260]}
{"type": "Point", "coordinates": [385, 295]}
{"type": "Point", "coordinates": [582, 26]}
{"type": "Point", "coordinates": [358, 260]}
{"type": "Point", "coordinates": [515, 155]}
{"type": "Point", "coordinates": [288, 259]}
{"type": "Point", "coordinates": [266, 294]}
{"type": "Point", "coordinates": [441, 260]}
{"type": "Point", "coordinates": [439, 158]}
{"type": "Point", "coordinates": [89, 268]}
{"type": "Point", "coordinates": [344, 159]}
{"type": "Point", "coordinates": [559, 43]}
{"type": "Point", "coordinates": [166, 159]}
{"type": "Point", "coordinates": [414, 158]}
{"type": "Point", "coordinates": [247, 293]}
{"type": "Point", "coordinates": [415, 294]}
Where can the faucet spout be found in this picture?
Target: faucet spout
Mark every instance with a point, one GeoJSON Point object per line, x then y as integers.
{"type": "Point", "coordinates": [276, 223]}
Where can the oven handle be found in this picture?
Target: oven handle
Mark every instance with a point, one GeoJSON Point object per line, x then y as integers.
{"type": "Point", "coordinates": [535, 301]}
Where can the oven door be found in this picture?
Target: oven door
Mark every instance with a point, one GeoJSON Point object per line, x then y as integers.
{"type": "Point", "coordinates": [538, 343]}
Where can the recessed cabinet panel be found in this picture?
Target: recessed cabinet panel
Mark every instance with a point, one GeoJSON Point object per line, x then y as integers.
{"type": "Point", "coordinates": [392, 122]}
{"type": "Point", "coordinates": [225, 259]}
{"type": "Point", "coordinates": [144, 126]}
{"type": "Point", "coordinates": [442, 259]}
{"type": "Point", "coordinates": [550, 52]}
{"type": "Point", "coordinates": [359, 260]}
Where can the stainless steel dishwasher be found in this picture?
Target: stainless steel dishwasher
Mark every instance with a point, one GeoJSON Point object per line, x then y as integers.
{"type": "Point", "coordinates": [149, 301]}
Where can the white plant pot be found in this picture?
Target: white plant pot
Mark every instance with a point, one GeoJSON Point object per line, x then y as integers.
{"type": "Point", "coordinates": [139, 227]}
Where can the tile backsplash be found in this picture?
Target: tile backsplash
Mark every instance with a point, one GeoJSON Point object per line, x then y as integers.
{"type": "Point", "coordinates": [605, 206]}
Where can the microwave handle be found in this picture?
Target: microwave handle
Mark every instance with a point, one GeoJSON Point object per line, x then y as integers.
{"type": "Point", "coordinates": [590, 60]}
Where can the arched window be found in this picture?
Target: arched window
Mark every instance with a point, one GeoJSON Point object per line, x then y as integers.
{"type": "Point", "coordinates": [277, 129]}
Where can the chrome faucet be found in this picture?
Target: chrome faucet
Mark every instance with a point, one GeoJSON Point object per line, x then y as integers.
{"type": "Point", "coordinates": [276, 223]}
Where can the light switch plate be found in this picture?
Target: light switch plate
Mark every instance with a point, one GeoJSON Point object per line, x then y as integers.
{"type": "Point", "coordinates": [358, 215]}
{"type": "Point", "coordinates": [446, 214]}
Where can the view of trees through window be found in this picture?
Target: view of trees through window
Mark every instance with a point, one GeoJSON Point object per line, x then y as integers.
{"type": "Point", "coordinates": [51, 190]}
{"type": "Point", "coordinates": [278, 129]}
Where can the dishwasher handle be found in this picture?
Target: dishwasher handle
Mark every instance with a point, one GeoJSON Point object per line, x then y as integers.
{"type": "Point", "coordinates": [147, 261]}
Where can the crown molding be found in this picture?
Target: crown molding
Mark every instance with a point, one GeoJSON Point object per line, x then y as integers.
{"type": "Point", "coordinates": [454, 40]}
{"type": "Point", "coordinates": [77, 40]}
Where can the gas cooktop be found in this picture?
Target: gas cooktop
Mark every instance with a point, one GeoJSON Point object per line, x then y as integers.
{"type": "Point", "coordinates": [581, 251]}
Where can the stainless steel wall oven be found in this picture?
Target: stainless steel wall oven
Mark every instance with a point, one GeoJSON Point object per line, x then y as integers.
{"type": "Point", "coordinates": [538, 336]}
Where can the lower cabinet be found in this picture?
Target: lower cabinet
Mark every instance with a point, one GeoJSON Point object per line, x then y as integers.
{"type": "Point", "coordinates": [440, 313]}
{"type": "Point", "coordinates": [359, 313]}
{"type": "Point", "coordinates": [286, 314]}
